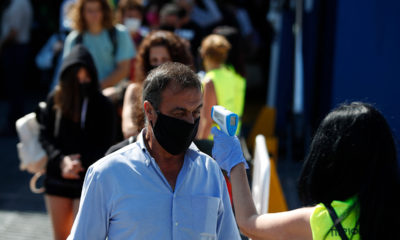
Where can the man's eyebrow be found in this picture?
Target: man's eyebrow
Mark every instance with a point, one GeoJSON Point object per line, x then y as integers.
{"type": "Point", "coordinates": [184, 109]}
{"type": "Point", "coordinates": [179, 109]}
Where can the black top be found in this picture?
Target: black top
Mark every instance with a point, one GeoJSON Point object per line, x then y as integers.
{"type": "Point", "coordinates": [121, 144]}
{"type": "Point", "coordinates": [91, 139]}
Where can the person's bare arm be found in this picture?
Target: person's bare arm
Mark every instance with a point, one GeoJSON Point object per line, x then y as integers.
{"type": "Point", "coordinates": [119, 73]}
{"type": "Point", "coordinates": [132, 95]}
{"type": "Point", "coordinates": [209, 100]}
{"type": "Point", "coordinates": [293, 224]}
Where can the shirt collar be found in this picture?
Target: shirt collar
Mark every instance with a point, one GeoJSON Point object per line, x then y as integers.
{"type": "Point", "coordinates": [140, 140]}
{"type": "Point", "coordinates": [188, 155]}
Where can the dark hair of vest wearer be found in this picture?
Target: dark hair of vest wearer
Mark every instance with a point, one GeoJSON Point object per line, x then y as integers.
{"type": "Point", "coordinates": [353, 153]}
{"type": "Point", "coordinates": [161, 77]}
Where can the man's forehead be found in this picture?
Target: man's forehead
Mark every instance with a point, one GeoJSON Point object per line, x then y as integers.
{"type": "Point", "coordinates": [175, 88]}
{"type": "Point", "coordinates": [184, 98]}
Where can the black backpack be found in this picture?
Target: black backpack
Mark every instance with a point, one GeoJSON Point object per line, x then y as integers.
{"type": "Point", "coordinates": [112, 33]}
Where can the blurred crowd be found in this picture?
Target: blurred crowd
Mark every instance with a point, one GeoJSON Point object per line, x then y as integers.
{"type": "Point", "coordinates": [87, 60]}
{"type": "Point", "coordinates": [34, 41]}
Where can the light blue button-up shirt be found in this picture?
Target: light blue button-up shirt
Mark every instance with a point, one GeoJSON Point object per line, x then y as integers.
{"type": "Point", "coordinates": [126, 196]}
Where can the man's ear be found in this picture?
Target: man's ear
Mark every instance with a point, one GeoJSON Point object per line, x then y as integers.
{"type": "Point", "coordinates": [148, 110]}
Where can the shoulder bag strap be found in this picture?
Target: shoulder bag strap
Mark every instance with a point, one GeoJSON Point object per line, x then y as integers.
{"type": "Point", "coordinates": [112, 33]}
{"type": "Point", "coordinates": [57, 122]}
{"type": "Point", "coordinates": [79, 38]}
{"type": "Point", "coordinates": [336, 222]}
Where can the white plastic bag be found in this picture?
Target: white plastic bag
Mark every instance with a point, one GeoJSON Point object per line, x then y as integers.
{"type": "Point", "coordinates": [32, 156]}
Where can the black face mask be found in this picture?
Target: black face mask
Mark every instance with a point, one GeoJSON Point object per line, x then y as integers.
{"type": "Point", "coordinates": [85, 89]}
{"type": "Point", "coordinates": [173, 134]}
{"type": "Point", "coordinates": [152, 67]}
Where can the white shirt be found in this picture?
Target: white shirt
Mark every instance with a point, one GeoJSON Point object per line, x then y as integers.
{"type": "Point", "coordinates": [126, 196]}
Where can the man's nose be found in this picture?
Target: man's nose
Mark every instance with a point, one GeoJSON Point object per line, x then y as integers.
{"type": "Point", "coordinates": [189, 118]}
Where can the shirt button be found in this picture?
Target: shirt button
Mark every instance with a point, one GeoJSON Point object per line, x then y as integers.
{"type": "Point", "coordinates": [176, 224]}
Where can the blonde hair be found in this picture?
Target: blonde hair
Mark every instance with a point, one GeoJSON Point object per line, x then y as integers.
{"type": "Point", "coordinates": [215, 47]}
{"type": "Point", "coordinates": [78, 21]}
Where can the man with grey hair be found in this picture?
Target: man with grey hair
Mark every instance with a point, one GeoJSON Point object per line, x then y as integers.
{"type": "Point", "coordinates": [161, 186]}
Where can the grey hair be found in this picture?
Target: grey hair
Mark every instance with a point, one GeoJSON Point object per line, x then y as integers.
{"type": "Point", "coordinates": [159, 78]}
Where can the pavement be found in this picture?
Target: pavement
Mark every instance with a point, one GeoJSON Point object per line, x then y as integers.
{"type": "Point", "coordinates": [23, 213]}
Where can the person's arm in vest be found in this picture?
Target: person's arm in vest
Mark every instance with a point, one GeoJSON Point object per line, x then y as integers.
{"type": "Point", "coordinates": [209, 100]}
{"type": "Point", "coordinates": [293, 224]}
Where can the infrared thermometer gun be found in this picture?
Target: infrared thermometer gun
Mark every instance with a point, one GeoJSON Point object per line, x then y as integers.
{"type": "Point", "coordinates": [226, 120]}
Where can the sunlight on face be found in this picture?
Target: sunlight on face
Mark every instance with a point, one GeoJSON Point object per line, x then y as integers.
{"type": "Point", "coordinates": [83, 75]}
{"type": "Point", "coordinates": [93, 14]}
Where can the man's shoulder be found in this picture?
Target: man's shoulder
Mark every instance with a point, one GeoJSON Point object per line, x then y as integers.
{"type": "Point", "coordinates": [119, 145]}
{"type": "Point", "coordinates": [130, 155]}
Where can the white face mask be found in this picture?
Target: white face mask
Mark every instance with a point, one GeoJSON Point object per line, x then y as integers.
{"type": "Point", "coordinates": [132, 24]}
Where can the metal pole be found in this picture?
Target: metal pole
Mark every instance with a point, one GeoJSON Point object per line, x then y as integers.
{"type": "Point", "coordinates": [274, 16]}
{"type": "Point", "coordinates": [298, 91]}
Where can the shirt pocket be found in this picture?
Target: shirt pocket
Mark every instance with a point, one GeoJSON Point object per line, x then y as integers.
{"type": "Point", "coordinates": [205, 216]}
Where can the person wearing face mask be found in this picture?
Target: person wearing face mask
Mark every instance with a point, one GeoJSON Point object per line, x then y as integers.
{"type": "Point", "coordinates": [161, 186]}
{"type": "Point", "coordinates": [109, 44]}
{"type": "Point", "coordinates": [130, 14]}
{"type": "Point", "coordinates": [77, 127]}
{"type": "Point", "coordinates": [156, 48]}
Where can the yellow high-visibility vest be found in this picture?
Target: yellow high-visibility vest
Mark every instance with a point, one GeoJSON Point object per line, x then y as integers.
{"type": "Point", "coordinates": [321, 222]}
{"type": "Point", "coordinates": [230, 89]}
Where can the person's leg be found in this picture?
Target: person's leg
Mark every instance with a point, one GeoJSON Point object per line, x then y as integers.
{"type": "Point", "coordinates": [61, 211]}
